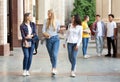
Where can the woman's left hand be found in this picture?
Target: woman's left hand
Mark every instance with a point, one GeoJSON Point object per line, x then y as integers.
{"type": "Point", "coordinates": [29, 36]}
{"type": "Point", "coordinates": [76, 48]}
{"type": "Point", "coordinates": [32, 35]}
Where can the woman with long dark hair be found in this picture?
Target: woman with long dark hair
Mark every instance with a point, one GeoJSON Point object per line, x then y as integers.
{"type": "Point", "coordinates": [28, 32]}
{"type": "Point", "coordinates": [73, 40]}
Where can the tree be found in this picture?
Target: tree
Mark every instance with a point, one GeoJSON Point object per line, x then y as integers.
{"type": "Point", "coordinates": [85, 7]}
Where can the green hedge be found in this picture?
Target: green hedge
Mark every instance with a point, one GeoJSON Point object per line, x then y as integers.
{"type": "Point", "coordinates": [85, 7]}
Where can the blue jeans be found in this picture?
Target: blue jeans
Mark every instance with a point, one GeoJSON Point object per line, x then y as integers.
{"type": "Point", "coordinates": [28, 53]}
{"type": "Point", "coordinates": [99, 44]}
{"type": "Point", "coordinates": [52, 45]}
{"type": "Point", "coordinates": [72, 54]}
{"type": "Point", "coordinates": [85, 45]}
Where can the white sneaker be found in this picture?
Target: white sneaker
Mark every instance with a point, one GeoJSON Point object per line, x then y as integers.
{"type": "Point", "coordinates": [99, 54]}
{"type": "Point", "coordinates": [54, 71]}
{"type": "Point", "coordinates": [24, 73]}
{"type": "Point", "coordinates": [73, 74]}
{"type": "Point", "coordinates": [86, 56]}
{"type": "Point", "coordinates": [27, 73]}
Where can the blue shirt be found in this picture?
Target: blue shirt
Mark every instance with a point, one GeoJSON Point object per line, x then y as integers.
{"type": "Point", "coordinates": [51, 30]}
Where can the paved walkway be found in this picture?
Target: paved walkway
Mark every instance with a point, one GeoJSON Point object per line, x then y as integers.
{"type": "Point", "coordinates": [94, 69]}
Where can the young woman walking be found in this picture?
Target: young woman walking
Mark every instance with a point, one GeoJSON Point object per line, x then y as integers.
{"type": "Point", "coordinates": [73, 40]}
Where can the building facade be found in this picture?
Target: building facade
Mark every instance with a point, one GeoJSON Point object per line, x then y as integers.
{"type": "Point", "coordinates": [12, 11]}
{"type": "Point", "coordinates": [11, 16]}
{"type": "Point", "coordinates": [105, 7]}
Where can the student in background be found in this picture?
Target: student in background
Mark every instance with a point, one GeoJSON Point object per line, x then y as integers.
{"type": "Point", "coordinates": [85, 36]}
{"type": "Point", "coordinates": [111, 34]}
{"type": "Point", "coordinates": [99, 30]}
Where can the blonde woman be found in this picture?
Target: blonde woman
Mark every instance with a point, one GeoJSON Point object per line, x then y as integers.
{"type": "Point", "coordinates": [50, 31]}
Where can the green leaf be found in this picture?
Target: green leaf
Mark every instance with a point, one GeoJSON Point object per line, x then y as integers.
{"type": "Point", "coordinates": [85, 7]}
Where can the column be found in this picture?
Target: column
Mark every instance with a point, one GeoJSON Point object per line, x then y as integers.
{"type": "Point", "coordinates": [20, 16]}
{"type": "Point", "coordinates": [59, 9]}
{"type": "Point", "coordinates": [4, 46]}
{"type": "Point", "coordinates": [68, 9]}
{"type": "Point", "coordinates": [29, 7]}
{"type": "Point", "coordinates": [99, 7]}
{"type": "Point", "coordinates": [106, 9]}
{"type": "Point", "coordinates": [62, 12]}
{"type": "Point", "coordinates": [38, 9]}
{"type": "Point", "coordinates": [116, 12]}
{"type": "Point", "coordinates": [42, 7]}
{"type": "Point", "coordinates": [118, 40]}
{"type": "Point", "coordinates": [26, 5]}
{"type": "Point", "coordinates": [116, 9]}
{"type": "Point", "coordinates": [103, 7]}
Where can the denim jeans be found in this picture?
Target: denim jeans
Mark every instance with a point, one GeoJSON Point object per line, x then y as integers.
{"type": "Point", "coordinates": [28, 53]}
{"type": "Point", "coordinates": [72, 54]}
{"type": "Point", "coordinates": [85, 45]}
{"type": "Point", "coordinates": [52, 45]}
{"type": "Point", "coordinates": [99, 44]}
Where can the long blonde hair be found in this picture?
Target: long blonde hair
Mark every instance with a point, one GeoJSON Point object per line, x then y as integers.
{"type": "Point", "coordinates": [51, 21]}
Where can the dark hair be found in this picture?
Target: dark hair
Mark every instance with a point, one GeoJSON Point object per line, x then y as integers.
{"type": "Point", "coordinates": [111, 15]}
{"type": "Point", "coordinates": [77, 20]}
{"type": "Point", "coordinates": [85, 17]}
{"type": "Point", "coordinates": [97, 15]}
{"type": "Point", "coordinates": [25, 17]}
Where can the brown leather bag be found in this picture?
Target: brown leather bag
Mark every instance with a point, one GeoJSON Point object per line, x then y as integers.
{"type": "Point", "coordinates": [27, 44]}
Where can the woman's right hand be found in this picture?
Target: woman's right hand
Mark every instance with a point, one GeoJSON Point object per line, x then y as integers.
{"type": "Point", "coordinates": [46, 35]}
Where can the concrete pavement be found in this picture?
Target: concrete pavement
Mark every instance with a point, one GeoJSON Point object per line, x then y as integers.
{"type": "Point", "coordinates": [94, 69]}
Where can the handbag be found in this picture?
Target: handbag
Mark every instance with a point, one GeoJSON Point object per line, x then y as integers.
{"type": "Point", "coordinates": [27, 44]}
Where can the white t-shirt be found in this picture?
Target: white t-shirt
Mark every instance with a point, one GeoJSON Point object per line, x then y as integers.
{"type": "Point", "coordinates": [110, 28]}
{"type": "Point", "coordinates": [29, 29]}
{"type": "Point", "coordinates": [99, 28]}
